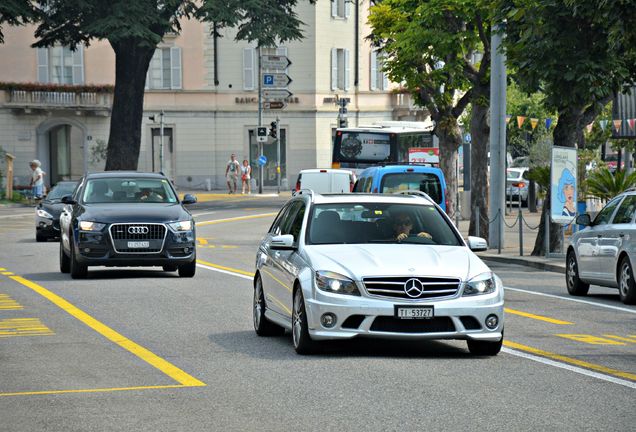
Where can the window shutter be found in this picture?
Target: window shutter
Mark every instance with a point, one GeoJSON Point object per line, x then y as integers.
{"type": "Point", "coordinates": [248, 68]}
{"type": "Point", "coordinates": [347, 8]}
{"type": "Point", "coordinates": [346, 69]}
{"type": "Point", "coordinates": [78, 65]}
{"type": "Point", "coordinates": [385, 78]}
{"type": "Point", "coordinates": [334, 69]}
{"type": "Point", "coordinates": [373, 74]}
{"type": "Point", "coordinates": [43, 65]}
{"type": "Point", "coordinates": [334, 8]}
{"type": "Point", "coordinates": [175, 66]}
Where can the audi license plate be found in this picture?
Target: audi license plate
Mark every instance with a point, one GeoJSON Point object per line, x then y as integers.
{"type": "Point", "coordinates": [138, 244]}
{"type": "Point", "coordinates": [414, 312]}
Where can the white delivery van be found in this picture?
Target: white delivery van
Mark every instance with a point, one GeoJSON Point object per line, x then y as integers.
{"type": "Point", "coordinates": [325, 180]}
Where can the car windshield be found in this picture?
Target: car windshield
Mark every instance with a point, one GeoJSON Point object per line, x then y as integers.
{"type": "Point", "coordinates": [60, 190]}
{"type": "Point", "coordinates": [128, 190]}
{"type": "Point", "coordinates": [424, 182]}
{"type": "Point", "coordinates": [513, 175]}
{"type": "Point", "coordinates": [355, 223]}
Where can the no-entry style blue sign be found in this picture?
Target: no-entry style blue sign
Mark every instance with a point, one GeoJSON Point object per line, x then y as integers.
{"type": "Point", "coordinates": [262, 160]}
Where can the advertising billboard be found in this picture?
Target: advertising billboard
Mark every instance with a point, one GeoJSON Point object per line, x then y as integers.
{"type": "Point", "coordinates": [563, 185]}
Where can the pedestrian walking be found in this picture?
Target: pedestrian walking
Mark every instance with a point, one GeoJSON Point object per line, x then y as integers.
{"type": "Point", "coordinates": [232, 170]}
{"type": "Point", "coordinates": [37, 180]}
{"type": "Point", "coordinates": [246, 175]}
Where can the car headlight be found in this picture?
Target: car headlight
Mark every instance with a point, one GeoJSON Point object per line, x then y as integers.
{"type": "Point", "coordinates": [181, 225]}
{"type": "Point", "coordinates": [91, 226]}
{"type": "Point", "coordinates": [44, 214]}
{"type": "Point", "coordinates": [335, 283]}
{"type": "Point", "coordinates": [484, 283]}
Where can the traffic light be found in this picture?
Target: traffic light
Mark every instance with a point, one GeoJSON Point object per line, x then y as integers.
{"type": "Point", "coordinates": [342, 122]}
{"type": "Point", "coordinates": [272, 131]}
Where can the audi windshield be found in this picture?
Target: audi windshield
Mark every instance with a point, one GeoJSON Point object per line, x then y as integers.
{"type": "Point", "coordinates": [129, 190]}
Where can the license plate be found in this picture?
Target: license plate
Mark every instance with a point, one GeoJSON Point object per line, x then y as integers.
{"type": "Point", "coordinates": [138, 244]}
{"type": "Point", "coordinates": [414, 312]}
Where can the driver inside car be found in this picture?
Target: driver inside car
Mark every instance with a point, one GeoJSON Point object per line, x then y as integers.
{"type": "Point", "coordinates": [402, 226]}
{"type": "Point", "coordinates": [148, 194]}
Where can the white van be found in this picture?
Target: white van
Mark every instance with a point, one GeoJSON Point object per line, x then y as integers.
{"type": "Point", "coordinates": [325, 180]}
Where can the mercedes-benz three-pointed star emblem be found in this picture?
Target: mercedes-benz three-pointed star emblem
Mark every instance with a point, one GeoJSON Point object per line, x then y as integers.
{"type": "Point", "coordinates": [413, 288]}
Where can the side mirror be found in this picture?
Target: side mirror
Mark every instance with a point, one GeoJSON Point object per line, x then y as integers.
{"type": "Point", "coordinates": [282, 242]}
{"type": "Point", "coordinates": [68, 199]}
{"type": "Point", "coordinates": [189, 199]}
{"type": "Point", "coordinates": [477, 244]}
{"type": "Point", "coordinates": [584, 220]}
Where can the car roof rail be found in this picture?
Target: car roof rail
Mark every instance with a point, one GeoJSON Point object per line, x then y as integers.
{"type": "Point", "coordinates": [309, 192]}
{"type": "Point", "coordinates": [416, 193]}
{"type": "Point", "coordinates": [430, 164]}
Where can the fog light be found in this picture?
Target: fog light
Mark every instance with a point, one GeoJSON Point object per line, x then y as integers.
{"type": "Point", "coordinates": [492, 321]}
{"type": "Point", "coordinates": [328, 320]}
{"type": "Point", "coordinates": [186, 250]}
{"type": "Point", "coordinates": [87, 250]}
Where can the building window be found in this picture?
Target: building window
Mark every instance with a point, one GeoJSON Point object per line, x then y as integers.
{"type": "Point", "coordinates": [250, 64]}
{"type": "Point", "coordinates": [165, 69]}
{"type": "Point", "coordinates": [340, 69]}
{"type": "Point", "coordinates": [61, 65]}
{"type": "Point", "coordinates": [340, 8]}
{"type": "Point", "coordinates": [377, 79]}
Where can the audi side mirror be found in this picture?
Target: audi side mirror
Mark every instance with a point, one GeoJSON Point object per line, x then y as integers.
{"type": "Point", "coordinates": [189, 199]}
{"type": "Point", "coordinates": [68, 199]}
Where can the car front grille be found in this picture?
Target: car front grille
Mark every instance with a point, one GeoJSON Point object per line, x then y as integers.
{"type": "Point", "coordinates": [123, 233]}
{"type": "Point", "coordinates": [394, 287]}
{"type": "Point", "coordinates": [396, 325]}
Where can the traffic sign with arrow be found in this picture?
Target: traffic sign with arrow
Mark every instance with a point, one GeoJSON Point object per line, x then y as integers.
{"type": "Point", "coordinates": [277, 80]}
{"type": "Point", "coordinates": [276, 94]}
{"type": "Point", "coordinates": [274, 105]}
{"type": "Point", "coordinates": [274, 62]}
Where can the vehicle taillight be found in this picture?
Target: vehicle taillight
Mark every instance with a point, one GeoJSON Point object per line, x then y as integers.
{"type": "Point", "coordinates": [375, 190]}
{"type": "Point", "coordinates": [351, 186]}
{"type": "Point", "coordinates": [323, 170]}
{"type": "Point", "coordinates": [335, 165]}
{"type": "Point", "coordinates": [410, 170]}
{"type": "Point", "coordinates": [448, 206]}
{"type": "Point", "coordinates": [297, 186]}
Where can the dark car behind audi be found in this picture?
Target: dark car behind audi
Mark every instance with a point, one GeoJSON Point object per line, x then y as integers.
{"type": "Point", "coordinates": [47, 212]}
{"type": "Point", "coordinates": [125, 219]}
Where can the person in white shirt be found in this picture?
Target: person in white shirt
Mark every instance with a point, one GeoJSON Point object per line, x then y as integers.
{"type": "Point", "coordinates": [231, 173]}
{"type": "Point", "coordinates": [37, 179]}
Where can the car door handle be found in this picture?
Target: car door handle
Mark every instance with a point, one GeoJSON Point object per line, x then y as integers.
{"type": "Point", "coordinates": [621, 235]}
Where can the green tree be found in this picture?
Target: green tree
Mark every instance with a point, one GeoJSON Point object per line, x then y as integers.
{"type": "Point", "coordinates": [575, 56]}
{"type": "Point", "coordinates": [604, 185]}
{"type": "Point", "coordinates": [430, 45]}
{"type": "Point", "coordinates": [14, 12]}
{"type": "Point", "coordinates": [134, 28]}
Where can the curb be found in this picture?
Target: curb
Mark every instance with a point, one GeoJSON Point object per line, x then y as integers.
{"type": "Point", "coordinates": [555, 268]}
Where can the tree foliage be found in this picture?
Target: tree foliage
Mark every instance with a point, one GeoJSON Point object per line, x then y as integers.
{"type": "Point", "coordinates": [604, 184]}
{"type": "Point", "coordinates": [15, 12]}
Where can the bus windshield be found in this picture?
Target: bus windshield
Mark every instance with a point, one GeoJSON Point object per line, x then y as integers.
{"type": "Point", "coordinates": [365, 146]}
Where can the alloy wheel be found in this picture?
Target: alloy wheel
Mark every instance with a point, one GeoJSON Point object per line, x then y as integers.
{"type": "Point", "coordinates": [571, 271]}
{"type": "Point", "coordinates": [297, 319]}
{"type": "Point", "coordinates": [626, 276]}
{"type": "Point", "coordinates": [258, 306]}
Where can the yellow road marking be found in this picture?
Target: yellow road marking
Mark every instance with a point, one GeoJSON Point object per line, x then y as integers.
{"type": "Point", "coordinates": [537, 317]}
{"type": "Point", "coordinates": [234, 219]}
{"type": "Point", "coordinates": [228, 247]}
{"type": "Point", "coordinates": [7, 303]}
{"type": "Point", "coordinates": [620, 338]}
{"type": "Point", "coordinates": [6, 273]}
{"type": "Point", "coordinates": [113, 389]}
{"type": "Point", "coordinates": [277, 280]}
{"type": "Point", "coordinates": [572, 361]}
{"type": "Point", "coordinates": [23, 327]}
{"type": "Point", "coordinates": [202, 241]}
{"type": "Point", "coordinates": [230, 269]}
{"type": "Point", "coordinates": [279, 303]}
{"type": "Point", "coordinates": [2, 269]}
{"type": "Point", "coordinates": [590, 339]}
{"type": "Point", "coordinates": [149, 357]}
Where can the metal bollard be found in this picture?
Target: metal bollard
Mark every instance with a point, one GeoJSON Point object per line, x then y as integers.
{"type": "Point", "coordinates": [477, 221]}
{"type": "Point", "coordinates": [546, 234]}
{"type": "Point", "coordinates": [520, 221]}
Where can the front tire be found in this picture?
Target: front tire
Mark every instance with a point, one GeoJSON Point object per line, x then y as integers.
{"type": "Point", "coordinates": [65, 262]}
{"type": "Point", "coordinates": [40, 238]}
{"type": "Point", "coordinates": [77, 269]}
{"type": "Point", "coordinates": [188, 270]}
{"type": "Point", "coordinates": [484, 348]}
{"type": "Point", "coordinates": [262, 326]}
{"type": "Point", "coordinates": [303, 344]}
{"type": "Point", "coordinates": [575, 286]}
{"type": "Point", "coordinates": [626, 285]}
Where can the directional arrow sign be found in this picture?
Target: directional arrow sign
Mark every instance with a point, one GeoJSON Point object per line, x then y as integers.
{"type": "Point", "coordinates": [274, 105]}
{"type": "Point", "coordinates": [276, 94]}
{"type": "Point", "coordinates": [277, 80]}
{"type": "Point", "coordinates": [274, 62]}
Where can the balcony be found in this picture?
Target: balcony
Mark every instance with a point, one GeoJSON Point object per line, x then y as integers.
{"type": "Point", "coordinates": [28, 98]}
{"type": "Point", "coordinates": [404, 108]}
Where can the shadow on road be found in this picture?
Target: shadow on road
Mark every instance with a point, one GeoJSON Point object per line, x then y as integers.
{"type": "Point", "coordinates": [104, 274]}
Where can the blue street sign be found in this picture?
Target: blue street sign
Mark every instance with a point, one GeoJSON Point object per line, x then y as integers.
{"type": "Point", "coordinates": [467, 138]}
{"type": "Point", "coordinates": [268, 79]}
{"type": "Point", "coordinates": [262, 160]}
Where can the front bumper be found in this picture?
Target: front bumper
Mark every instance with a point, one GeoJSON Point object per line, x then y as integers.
{"type": "Point", "coordinates": [47, 227]}
{"type": "Point", "coordinates": [97, 249]}
{"type": "Point", "coordinates": [457, 318]}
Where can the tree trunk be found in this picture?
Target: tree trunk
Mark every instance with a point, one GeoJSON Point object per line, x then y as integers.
{"type": "Point", "coordinates": [450, 139]}
{"type": "Point", "coordinates": [131, 65]}
{"type": "Point", "coordinates": [479, 131]}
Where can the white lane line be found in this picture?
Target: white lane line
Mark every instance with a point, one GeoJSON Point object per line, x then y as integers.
{"type": "Point", "coordinates": [622, 309]}
{"type": "Point", "coordinates": [570, 368]}
{"type": "Point", "coordinates": [204, 213]}
{"type": "Point", "coordinates": [17, 215]}
{"type": "Point", "coordinates": [224, 271]}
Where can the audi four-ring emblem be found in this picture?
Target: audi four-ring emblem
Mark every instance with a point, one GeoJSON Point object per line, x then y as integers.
{"type": "Point", "coordinates": [138, 230]}
{"type": "Point", "coordinates": [413, 288]}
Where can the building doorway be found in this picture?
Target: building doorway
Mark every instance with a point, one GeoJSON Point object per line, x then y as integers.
{"type": "Point", "coordinates": [269, 150]}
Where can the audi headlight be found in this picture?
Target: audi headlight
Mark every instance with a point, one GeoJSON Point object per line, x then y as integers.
{"type": "Point", "coordinates": [91, 226]}
{"type": "Point", "coordinates": [44, 214]}
{"type": "Point", "coordinates": [484, 283]}
{"type": "Point", "coordinates": [181, 225]}
{"type": "Point", "coordinates": [335, 283]}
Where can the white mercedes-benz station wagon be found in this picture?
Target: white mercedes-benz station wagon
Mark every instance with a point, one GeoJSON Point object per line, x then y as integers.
{"type": "Point", "coordinates": [387, 266]}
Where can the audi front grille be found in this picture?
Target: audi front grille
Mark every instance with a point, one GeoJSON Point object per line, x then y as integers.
{"type": "Point", "coordinates": [153, 233]}
{"type": "Point", "coordinates": [427, 288]}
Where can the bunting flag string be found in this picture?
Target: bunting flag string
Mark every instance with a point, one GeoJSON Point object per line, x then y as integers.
{"type": "Point", "coordinates": [520, 120]}
{"type": "Point", "coordinates": [589, 127]}
{"type": "Point", "coordinates": [508, 117]}
{"type": "Point", "coordinates": [548, 123]}
{"type": "Point", "coordinates": [603, 124]}
{"type": "Point", "coordinates": [534, 122]}
{"type": "Point", "coordinates": [617, 124]}
{"type": "Point", "coordinates": [631, 123]}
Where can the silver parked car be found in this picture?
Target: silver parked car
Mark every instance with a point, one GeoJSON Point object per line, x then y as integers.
{"type": "Point", "coordinates": [390, 266]}
{"type": "Point", "coordinates": [603, 252]}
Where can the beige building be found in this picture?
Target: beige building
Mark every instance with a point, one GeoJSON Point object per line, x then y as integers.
{"type": "Point", "coordinates": [208, 92]}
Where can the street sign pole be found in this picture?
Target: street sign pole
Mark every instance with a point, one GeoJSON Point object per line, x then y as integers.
{"type": "Point", "coordinates": [161, 142]}
{"type": "Point", "coordinates": [278, 138]}
{"type": "Point", "coordinates": [260, 121]}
